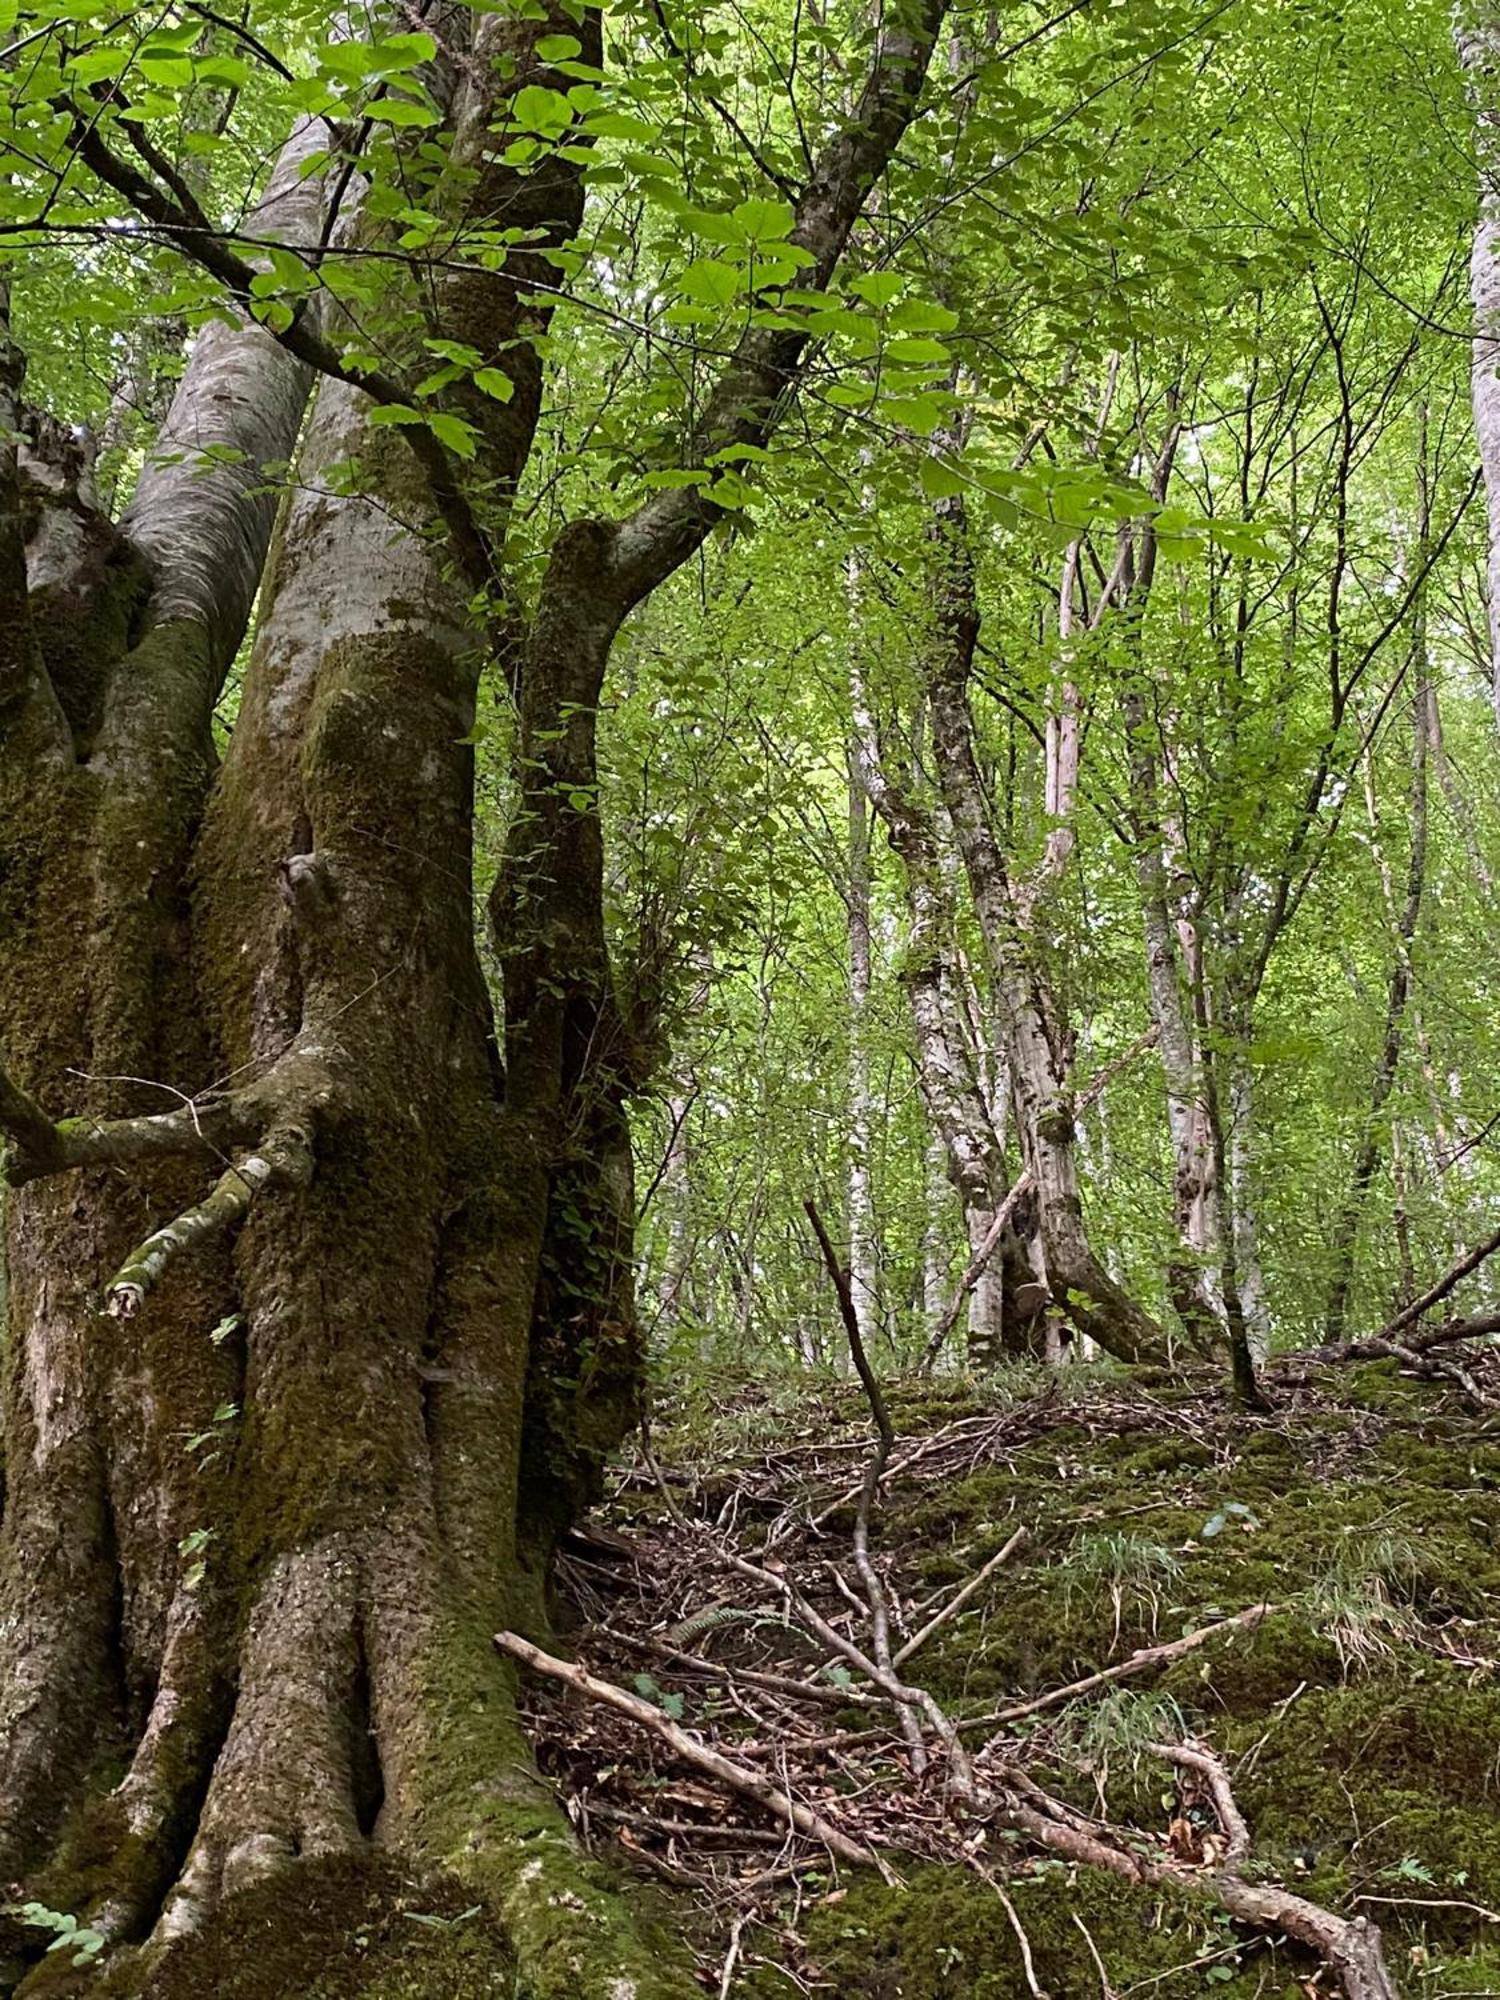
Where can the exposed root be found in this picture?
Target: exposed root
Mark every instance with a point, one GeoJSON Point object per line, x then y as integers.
{"type": "Point", "coordinates": [152, 1810]}
{"type": "Point", "coordinates": [283, 1786]}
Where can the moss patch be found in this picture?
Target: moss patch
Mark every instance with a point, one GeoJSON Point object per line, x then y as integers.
{"type": "Point", "coordinates": [334, 1930]}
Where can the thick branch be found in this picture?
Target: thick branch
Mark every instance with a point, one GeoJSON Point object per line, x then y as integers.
{"type": "Point", "coordinates": [38, 1147]}
{"type": "Point", "coordinates": [285, 1157]}
{"type": "Point", "coordinates": [208, 249]}
{"type": "Point", "coordinates": [744, 406]}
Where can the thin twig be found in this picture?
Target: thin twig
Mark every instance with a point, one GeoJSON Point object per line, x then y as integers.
{"type": "Point", "coordinates": [956, 1604]}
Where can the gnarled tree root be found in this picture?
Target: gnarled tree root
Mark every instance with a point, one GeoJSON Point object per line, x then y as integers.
{"type": "Point", "coordinates": [367, 1778]}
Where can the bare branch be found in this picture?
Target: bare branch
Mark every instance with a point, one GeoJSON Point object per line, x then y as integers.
{"type": "Point", "coordinates": [1138, 1662]}
{"type": "Point", "coordinates": [285, 1157]}
{"type": "Point", "coordinates": [956, 1604]}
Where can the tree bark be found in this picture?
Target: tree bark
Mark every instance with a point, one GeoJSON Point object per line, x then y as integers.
{"type": "Point", "coordinates": [260, 1528]}
{"type": "Point", "coordinates": [1477, 32]}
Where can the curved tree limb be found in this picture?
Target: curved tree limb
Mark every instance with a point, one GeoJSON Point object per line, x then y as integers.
{"type": "Point", "coordinates": [285, 1157]}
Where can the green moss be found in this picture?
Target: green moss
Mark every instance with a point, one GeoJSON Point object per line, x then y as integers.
{"type": "Point", "coordinates": [334, 1930]}
{"type": "Point", "coordinates": [946, 1935]}
{"type": "Point", "coordinates": [1388, 1786]}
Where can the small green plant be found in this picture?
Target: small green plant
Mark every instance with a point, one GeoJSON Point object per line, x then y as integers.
{"type": "Point", "coordinates": [193, 1548]}
{"type": "Point", "coordinates": [85, 1942]}
{"type": "Point", "coordinates": [1361, 1601]}
{"type": "Point", "coordinates": [670, 1704]}
{"type": "Point", "coordinates": [1119, 1570]}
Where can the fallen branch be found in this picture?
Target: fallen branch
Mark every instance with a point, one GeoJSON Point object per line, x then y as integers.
{"type": "Point", "coordinates": [1205, 1765]}
{"type": "Point", "coordinates": [739, 1777]}
{"type": "Point", "coordinates": [1350, 1946]}
{"type": "Point", "coordinates": [956, 1604]}
{"type": "Point", "coordinates": [1454, 1275]}
{"type": "Point", "coordinates": [1138, 1662]}
{"type": "Point", "coordinates": [662, 1649]}
{"type": "Point", "coordinates": [876, 1598]}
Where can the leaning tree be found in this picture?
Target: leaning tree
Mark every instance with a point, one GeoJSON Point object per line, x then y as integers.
{"type": "Point", "coordinates": [319, 1311]}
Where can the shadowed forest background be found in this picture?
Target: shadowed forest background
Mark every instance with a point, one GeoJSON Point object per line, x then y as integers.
{"type": "Point", "coordinates": [749, 799]}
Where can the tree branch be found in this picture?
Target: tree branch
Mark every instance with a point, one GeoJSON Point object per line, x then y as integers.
{"type": "Point", "coordinates": [209, 250]}
{"type": "Point", "coordinates": [974, 1272]}
{"type": "Point", "coordinates": [38, 1146]}
{"type": "Point", "coordinates": [743, 408]}
{"type": "Point", "coordinates": [286, 1157]}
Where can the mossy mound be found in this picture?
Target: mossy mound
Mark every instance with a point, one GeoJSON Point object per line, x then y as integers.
{"type": "Point", "coordinates": [944, 1935]}
{"type": "Point", "coordinates": [337, 1930]}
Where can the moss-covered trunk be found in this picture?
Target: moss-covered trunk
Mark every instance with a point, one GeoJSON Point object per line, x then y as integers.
{"type": "Point", "coordinates": [262, 1516]}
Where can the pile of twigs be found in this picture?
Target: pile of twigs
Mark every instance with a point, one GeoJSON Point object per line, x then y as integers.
{"type": "Point", "coordinates": [753, 1715]}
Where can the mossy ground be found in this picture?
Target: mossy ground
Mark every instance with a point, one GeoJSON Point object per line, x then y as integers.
{"type": "Point", "coordinates": [1361, 1719]}
{"type": "Point", "coordinates": [341, 1929]}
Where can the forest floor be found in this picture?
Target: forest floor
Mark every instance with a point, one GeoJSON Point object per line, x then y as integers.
{"type": "Point", "coordinates": [1357, 1716]}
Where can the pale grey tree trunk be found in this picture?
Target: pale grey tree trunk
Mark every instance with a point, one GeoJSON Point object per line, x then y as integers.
{"type": "Point", "coordinates": [1477, 32]}
{"type": "Point", "coordinates": [864, 1248]}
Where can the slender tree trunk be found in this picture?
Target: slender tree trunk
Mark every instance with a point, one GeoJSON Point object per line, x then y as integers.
{"type": "Point", "coordinates": [1368, 1152]}
{"type": "Point", "coordinates": [1477, 31]}
{"type": "Point", "coordinates": [1038, 1042]}
{"type": "Point", "coordinates": [1244, 1223]}
{"type": "Point", "coordinates": [1194, 1185]}
{"type": "Point", "coordinates": [864, 1257]}
{"type": "Point", "coordinates": [1404, 927]}
{"type": "Point", "coordinates": [955, 1103]}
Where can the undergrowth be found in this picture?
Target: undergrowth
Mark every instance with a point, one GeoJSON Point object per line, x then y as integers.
{"type": "Point", "coordinates": [1360, 1718]}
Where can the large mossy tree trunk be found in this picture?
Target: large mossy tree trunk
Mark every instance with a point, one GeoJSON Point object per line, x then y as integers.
{"type": "Point", "coordinates": [320, 1317]}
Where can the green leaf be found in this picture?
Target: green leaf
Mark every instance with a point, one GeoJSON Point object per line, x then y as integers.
{"type": "Point", "coordinates": [534, 108]}
{"type": "Point", "coordinates": [939, 481]}
{"type": "Point", "coordinates": [458, 436]}
{"type": "Point", "coordinates": [402, 112]}
{"type": "Point", "coordinates": [711, 283]}
{"type": "Point", "coordinates": [877, 288]}
{"type": "Point", "coordinates": [401, 52]}
{"type": "Point", "coordinates": [495, 382]}
{"type": "Point", "coordinates": [762, 221]}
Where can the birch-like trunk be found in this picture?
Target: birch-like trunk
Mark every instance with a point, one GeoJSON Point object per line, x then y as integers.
{"type": "Point", "coordinates": [1038, 1042]}
{"type": "Point", "coordinates": [1477, 33]}
{"type": "Point", "coordinates": [864, 1248]}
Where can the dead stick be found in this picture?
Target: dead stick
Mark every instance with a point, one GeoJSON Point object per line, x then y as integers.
{"type": "Point", "coordinates": [1148, 1656]}
{"type": "Point", "coordinates": [956, 1604]}
{"type": "Point", "coordinates": [738, 1777]}
{"type": "Point", "coordinates": [1452, 1276]}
